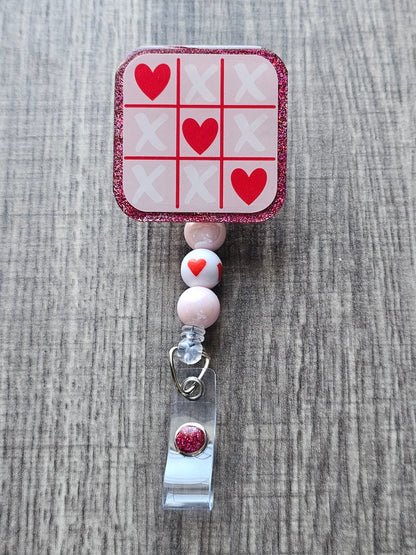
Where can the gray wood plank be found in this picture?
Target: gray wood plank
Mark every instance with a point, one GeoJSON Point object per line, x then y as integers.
{"type": "Point", "coordinates": [315, 347]}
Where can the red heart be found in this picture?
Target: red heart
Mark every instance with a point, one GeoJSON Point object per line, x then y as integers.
{"type": "Point", "coordinates": [196, 266]}
{"type": "Point", "coordinates": [200, 137]}
{"type": "Point", "coordinates": [219, 266]}
{"type": "Point", "coordinates": [151, 82]}
{"type": "Point", "coordinates": [248, 187]}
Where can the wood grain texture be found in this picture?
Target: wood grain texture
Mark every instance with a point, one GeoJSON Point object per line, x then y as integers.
{"type": "Point", "coordinates": [315, 348]}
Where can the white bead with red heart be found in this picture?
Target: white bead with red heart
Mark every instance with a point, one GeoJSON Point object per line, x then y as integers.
{"type": "Point", "coordinates": [201, 267]}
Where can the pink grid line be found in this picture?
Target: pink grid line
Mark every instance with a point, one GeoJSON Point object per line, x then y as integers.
{"type": "Point", "coordinates": [240, 106]}
{"type": "Point", "coordinates": [226, 158]}
{"type": "Point", "coordinates": [178, 127]}
{"type": "Point", "coordinates": [222, 136]}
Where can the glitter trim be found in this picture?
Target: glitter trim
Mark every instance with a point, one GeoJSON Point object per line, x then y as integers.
{"type": "Point", "coordinates": [268, 212]}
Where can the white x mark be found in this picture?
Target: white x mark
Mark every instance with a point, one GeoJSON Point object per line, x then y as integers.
{"type": "Point", "coordinates": [198, 82]}
{"type": "Point", "coordinates": [149, 131]}
{"type": "Point", "coordinates": [247, 132]}
{"type": "Point", "coordinates": [198, 183]}
{"type": "Point", "coordinates": [248, 81]}
{"type": "Point", "coordinates": [146, 183]}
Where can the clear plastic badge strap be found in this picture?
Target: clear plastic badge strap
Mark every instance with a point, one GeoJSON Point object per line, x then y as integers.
{"type": "Point", "coordinates": [187, 482]}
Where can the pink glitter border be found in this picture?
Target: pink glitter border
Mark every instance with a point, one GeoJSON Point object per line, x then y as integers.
{"type": "Point", "coordinates": [200, 216]}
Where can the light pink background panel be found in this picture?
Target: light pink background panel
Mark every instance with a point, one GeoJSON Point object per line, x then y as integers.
{"type": "Point", "coordinates": [185, 133]}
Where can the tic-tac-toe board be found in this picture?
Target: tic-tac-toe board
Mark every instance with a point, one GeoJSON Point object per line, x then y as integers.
{"type": "Point", "coordinates": [200, 134]}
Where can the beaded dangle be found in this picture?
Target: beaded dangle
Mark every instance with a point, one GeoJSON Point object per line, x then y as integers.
{"type": "Point", "coordinates": [199, 137]}
{"type": "Point", "coordinates": [187, 483]}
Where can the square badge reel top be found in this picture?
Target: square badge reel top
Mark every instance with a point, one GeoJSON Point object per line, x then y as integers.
{"type": "Point", "coordinates": [200, 134]}
{"type": "Point", "coordinates": [199, 137]}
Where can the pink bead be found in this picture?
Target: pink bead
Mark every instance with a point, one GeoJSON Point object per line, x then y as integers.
{"type": "Point", "coordinates": [198, 306]}
{"type": "Point", "coordinates": [200, 235]}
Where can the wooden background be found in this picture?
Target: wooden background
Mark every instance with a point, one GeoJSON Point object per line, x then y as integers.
{"type": "Point", "coordinates": [315, 347]}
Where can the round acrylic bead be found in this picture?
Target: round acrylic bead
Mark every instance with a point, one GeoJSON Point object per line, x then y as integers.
{"type": "Point", "coordinates": [201, 267]}
{"type": "Point", "coordinates": [200, 235]}
{"type": "Point", "coordinates": [198, 306]}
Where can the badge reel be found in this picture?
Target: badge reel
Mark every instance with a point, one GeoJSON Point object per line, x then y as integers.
{"type": "Point", "coordinates": [199, 138]}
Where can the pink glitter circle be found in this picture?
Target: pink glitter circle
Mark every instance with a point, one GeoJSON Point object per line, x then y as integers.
{"type": "Point", "coordinates": [190, 439]}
